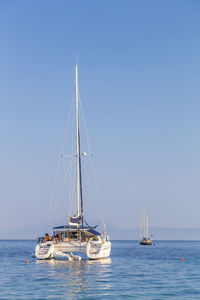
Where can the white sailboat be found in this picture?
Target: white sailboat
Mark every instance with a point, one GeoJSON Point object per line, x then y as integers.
{"type": "Point", "coordinates": [72, 240]}
{"type": "Point", "coordinates": [144, 230]}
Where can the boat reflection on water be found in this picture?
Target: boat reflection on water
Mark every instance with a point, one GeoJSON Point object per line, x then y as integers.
{"type": "Point", "coordinates": [78, 278]}
{"type": "Point", "coordinates": [55, 262]}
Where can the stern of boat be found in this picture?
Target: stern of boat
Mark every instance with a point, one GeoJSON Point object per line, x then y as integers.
{"type": "Point", "coordinates": [44, 250]}
{"type": "Point", "coordinates": [98, 250]}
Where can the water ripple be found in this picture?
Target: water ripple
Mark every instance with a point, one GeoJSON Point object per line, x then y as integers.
{"type": "Point", "coordinates": [132, 272]}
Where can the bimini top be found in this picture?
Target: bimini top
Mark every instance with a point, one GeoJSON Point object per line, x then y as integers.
{"type": "Point", "coordinates": [82, 228]}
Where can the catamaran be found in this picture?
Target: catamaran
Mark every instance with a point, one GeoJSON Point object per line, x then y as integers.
{"type": "Point", "coordinates": [76, 239]}
{"type": "Point", "coordinates": [144, 234]}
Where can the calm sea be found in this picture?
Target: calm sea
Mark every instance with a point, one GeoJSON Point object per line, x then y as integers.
{"type": "Point", "coordinates": [133, 271]}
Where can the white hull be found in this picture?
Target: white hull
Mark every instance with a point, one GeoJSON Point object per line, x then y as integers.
{"type": "Point", "coordinates": [92, 249]}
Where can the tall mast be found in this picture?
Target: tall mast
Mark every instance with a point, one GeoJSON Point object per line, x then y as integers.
{"type": "Point", "coordinates": [141, 227]}
{"type": "Point", "coordinates": [143, 222]}
{"type": "Point", "coordinates": [77, 146]}
{"type": "Point", "coordinates": [147, 228]}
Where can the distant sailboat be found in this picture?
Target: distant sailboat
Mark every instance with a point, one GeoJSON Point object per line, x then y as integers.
{"type": "Point", "coordinates": [144, 230]}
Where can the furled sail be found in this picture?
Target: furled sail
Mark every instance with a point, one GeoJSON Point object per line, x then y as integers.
{"type": "Point", "coordinates": [76, 220]}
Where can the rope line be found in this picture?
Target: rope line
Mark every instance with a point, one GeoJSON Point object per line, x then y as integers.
{"type": "Point", "coordinates": [92, 164]}
{"type": "Point", "coordinates": [58, 164]}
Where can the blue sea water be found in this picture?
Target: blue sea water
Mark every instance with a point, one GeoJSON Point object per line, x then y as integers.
{"type": "Point", "coordinates": [132, 272]}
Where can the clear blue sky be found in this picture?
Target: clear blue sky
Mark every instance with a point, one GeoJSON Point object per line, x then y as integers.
{"type": "Point", "coordinates": [139, 68]}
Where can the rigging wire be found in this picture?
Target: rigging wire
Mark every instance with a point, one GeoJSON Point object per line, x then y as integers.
{"type": "Point", "coordinates": [51, 210]}
{"type": "Point", "coordinates": [72, 184]}
{"type": "Point", "coordinates": [61, 190]}
{"type": "Point", "coordinates": [92, 164]}
{"type": "Point", "coordinates": [70, 190]}
{"type": "Point", "coordinates": [58, 164]}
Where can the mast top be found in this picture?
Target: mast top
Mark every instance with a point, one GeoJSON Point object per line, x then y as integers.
{"type": "Point", "coordinates": [77, 144]}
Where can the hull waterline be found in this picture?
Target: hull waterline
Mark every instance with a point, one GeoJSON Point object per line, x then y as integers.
{"type": "Point", "coordinates": [91, 250]}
